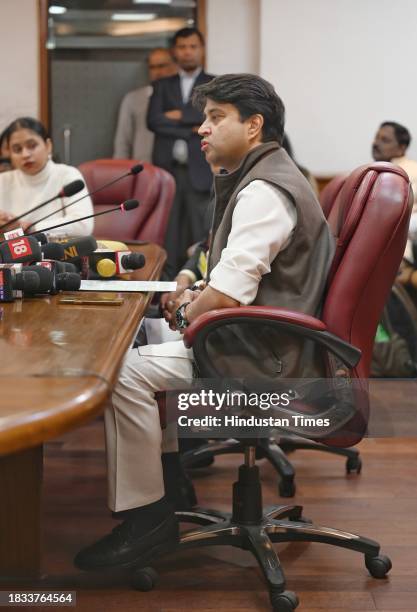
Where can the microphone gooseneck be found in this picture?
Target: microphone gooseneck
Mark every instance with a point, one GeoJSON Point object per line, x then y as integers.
{"type": "Point", "coordinates": [132, 172]}
{"type": "Point", "coordinates": [68, 190]}
{"type": "Point", "coordinates": [125, 206]}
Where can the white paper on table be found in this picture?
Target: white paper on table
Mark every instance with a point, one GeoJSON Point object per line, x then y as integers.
{"type": "Point", "coordinates": [128, 286]}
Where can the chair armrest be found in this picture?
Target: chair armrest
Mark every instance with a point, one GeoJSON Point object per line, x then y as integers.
{"type": "Point", "coordinates": [289, 321]}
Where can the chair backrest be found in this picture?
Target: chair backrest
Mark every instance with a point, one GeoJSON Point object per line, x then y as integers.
{"type": "Point", "coordinates": [329, 193]}
{"type": "Point", "coordinates": [368, 212]}
{"type": "Point", "coordinates": [369, 218]}
{"type": "Point", "coordinates": [154, 188]}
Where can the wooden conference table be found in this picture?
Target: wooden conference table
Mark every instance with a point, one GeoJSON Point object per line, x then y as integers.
{"type": "Point", "coordinates": [58, 365]}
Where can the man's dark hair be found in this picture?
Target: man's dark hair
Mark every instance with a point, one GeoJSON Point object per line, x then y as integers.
{"type": "Point", "coordinates": [251, 95]}
{"type": "Point", "coordinates": [402, 135]}
{"type": "Point", "coordinates": [185, 33]}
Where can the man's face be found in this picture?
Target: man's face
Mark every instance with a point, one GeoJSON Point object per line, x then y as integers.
{"type": "Point", "coordinates": [226, 139]}
{"type": "Point", "coordinates": [385, 146]}
{"type": "Point", "coordinates": [188, 52]}
{"type": "Point", "coordinates": [160, 64]}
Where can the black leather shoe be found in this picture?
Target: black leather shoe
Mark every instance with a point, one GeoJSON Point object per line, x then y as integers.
{"type": "Point", "coordinates": [180, 494]}
{"type": "Point", "coordinates": [128, 546]}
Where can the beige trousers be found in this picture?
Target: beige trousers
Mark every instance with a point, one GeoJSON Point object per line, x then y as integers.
{"type": "Point", "coordinates": [134, 440]}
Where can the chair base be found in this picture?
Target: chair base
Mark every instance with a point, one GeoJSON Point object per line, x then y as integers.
{"type": "Point", "coordinates": [278, 524]}
{"type": "Point", "coordinates": [249, 527]}
{"type": "Point", "coordinates": [275, 453]}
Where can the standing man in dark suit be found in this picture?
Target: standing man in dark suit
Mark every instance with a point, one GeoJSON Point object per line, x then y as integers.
{"type": "Point", "coordinates": [177, 146]}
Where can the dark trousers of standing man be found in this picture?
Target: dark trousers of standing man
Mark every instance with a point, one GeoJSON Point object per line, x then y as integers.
{"type": "Point", "coordinates": [187, 222]}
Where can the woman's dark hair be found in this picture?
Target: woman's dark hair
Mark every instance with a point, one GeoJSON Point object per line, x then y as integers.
{"type": "Point", "coordinates": [251, 95]}
{"type": "Point", "coordinates": [185, 33]}
{"type": "Point", "coordinates": [402, 135]}
{"type": "Point", "coordinates": [27, 123]}
{"type": "Point", "coordinates": [4, 136]}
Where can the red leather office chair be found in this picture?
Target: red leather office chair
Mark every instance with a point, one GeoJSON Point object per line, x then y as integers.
{"type": "Point", "coordinates": [275, 451]}
{"type": "Point", "coordinates": [329, 194]}
{"type": "Point", "coordinates": [153, 187]}
{"type": "Point", "coordinates": [371, 217]}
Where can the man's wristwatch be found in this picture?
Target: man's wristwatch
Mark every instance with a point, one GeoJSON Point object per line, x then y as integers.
{"type": "Point", "coordinates": [180, 318]}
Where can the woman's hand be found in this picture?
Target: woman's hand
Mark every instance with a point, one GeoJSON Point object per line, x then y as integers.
{"type": "Point", "coordinates": [5, 217]}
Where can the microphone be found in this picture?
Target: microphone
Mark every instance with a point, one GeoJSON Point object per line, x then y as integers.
{"type": "Point", "coordinates": [68, 281]}
{"type": "Point", "coordinates": [60, 251]}
{"type": "Point", "coordinates": [132, 172]}
{"type": "Point", "coordinates": [13, 282]}
{"type": "Point", "coordinates": [52, 250]}
{"type": "Point", "coordinates": [20, 250]}
{"type": "Point", "coordinates": [107, 263]}
{"type": "Point", "coordinates": [45, 278]}
{"type": "Point", "coordinates": [125, 206]}
{"type": "Point", "coordinates": [51, 280]}
{"type": "Point", "coordinates": [66, 192]}
{"type": "Point", "coordinates": [79, 247]}
{"type": "Point", "coordinates": [41, 237]}
{"type": "Point", "coordinates": [65, 266]}
{"type": "Point", "coordinates": [132, 261]}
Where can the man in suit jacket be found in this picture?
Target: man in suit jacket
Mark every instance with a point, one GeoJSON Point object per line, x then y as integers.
{"type": "Point", "coordinates": [177, 146]}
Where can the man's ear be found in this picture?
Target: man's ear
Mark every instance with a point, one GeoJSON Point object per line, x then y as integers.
{"type": "Point", "coordinates": [403, 149]}
{"type": "Point", "coordinates": [256, 123]}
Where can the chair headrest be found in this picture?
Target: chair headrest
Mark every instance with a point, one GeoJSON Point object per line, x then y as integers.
{"type": "Point", "coordinates": [346, 211]}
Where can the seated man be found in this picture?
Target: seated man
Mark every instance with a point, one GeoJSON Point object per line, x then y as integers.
{"type": "Point", "coordinates": [390, 144]}
{"type": "Point", "coordinates": [270, 245]}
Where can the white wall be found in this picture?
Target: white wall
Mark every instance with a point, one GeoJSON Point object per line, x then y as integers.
{"type": "Point", "coordinates": [342, 67]}
{"type": "Point", "coordinates": [232, 36]}
{"type": "Point", "coordinates": [19, 60]}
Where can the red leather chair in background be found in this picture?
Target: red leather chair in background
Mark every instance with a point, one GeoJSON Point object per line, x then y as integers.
{"type": "Point", "coordinates": [370, 217]}
{"type": "Point", "coordinates": [329, 194]}
{"type": "Point", "coordinates": [154, 188]}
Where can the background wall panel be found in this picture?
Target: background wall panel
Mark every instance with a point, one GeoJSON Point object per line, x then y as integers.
{"type": "Point", "coordinates": [19, 93]}
{"type": "Point", "coordinates": [342, 67]}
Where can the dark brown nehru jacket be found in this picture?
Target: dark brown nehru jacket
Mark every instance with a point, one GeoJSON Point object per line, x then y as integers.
{"type": "Point", "coordinates": [298, 274]}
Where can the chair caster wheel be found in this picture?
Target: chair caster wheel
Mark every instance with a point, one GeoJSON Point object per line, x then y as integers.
{"type": "Point", "coordinates": [144, 579]}
{"type": "Point", "coordinates": [286, 601]}
{"type": "Point", "coordinates": [286, 488]}
{"type": "Point", "coordinates": [378, 566]}
{"type": "Point", "coordinates": [353, 464]}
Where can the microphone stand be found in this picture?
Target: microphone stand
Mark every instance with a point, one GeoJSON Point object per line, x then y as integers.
{"type": "Point", "coordinates": [30, 211]}
{"type": "Point", "coordinates": [119, 207]}
{"type": "Point", "coordinates": [119, 178]}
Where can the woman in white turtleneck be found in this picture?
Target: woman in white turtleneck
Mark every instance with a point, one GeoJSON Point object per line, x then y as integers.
{"type": "Point", "coordinates": [36, 178]}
